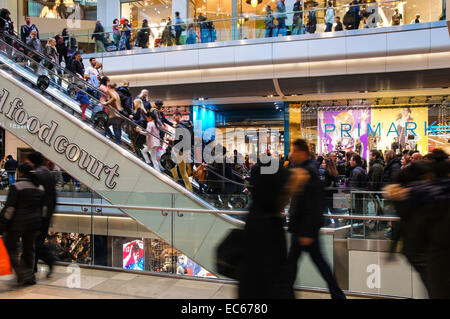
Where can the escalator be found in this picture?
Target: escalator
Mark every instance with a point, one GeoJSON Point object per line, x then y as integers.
{"type": "Point", "coordinates": [37, 106]}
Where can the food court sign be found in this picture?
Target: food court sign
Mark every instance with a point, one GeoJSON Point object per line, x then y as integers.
{"type": "Point", "coordinates": [47, 134]}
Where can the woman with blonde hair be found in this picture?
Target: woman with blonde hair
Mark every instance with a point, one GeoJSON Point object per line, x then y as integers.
{"type": "Point", "coordinates": [145, 99]}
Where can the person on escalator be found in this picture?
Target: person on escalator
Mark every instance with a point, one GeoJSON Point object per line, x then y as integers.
{"type": "Point", "coordinates": [152, 139]}
{"type": "Point", "coordinates": [114, 119]}
{"type": "Point", "coordinates": [182, 152]}
{"type": "Point", "coordinates": [84, 101]}
{"type": "Point", "coordinates": [160, 117]}
{"type": "Point", "coordinates": [77, 65]}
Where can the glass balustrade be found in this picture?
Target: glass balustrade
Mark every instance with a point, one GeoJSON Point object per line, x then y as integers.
{"type": "Point", "coordinates": [309, 19]}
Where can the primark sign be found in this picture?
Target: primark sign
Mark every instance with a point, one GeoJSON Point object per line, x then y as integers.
{"type": "Point", "coordinates": [48, 134]}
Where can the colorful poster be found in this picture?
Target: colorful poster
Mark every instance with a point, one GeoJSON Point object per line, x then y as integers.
{"type": "Point", "coordinates": [187, 267]}
{"type": "Point", "coordinates": [344, 130]}
{"type": "Point", "coordinates": [401, 129]}
{"type": "Point", "coordinates": [133, 255]}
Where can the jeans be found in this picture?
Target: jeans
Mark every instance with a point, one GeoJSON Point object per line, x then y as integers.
{"type": "Point", "coordinates": [152, 151]}
{"type": "Point", "coordinates": [269, 32]}
{"type": "Point", "coordinates": [315, 253]}
{"type": "Point", "coordinates": [329, 27]}
{"type": "Point", "coordinates": [115, 122]}
{"type": "Point", "coordinates": [281, 29]}
{"type": "Point", "coordinates": [11, 178]}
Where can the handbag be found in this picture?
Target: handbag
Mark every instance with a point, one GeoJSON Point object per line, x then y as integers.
{"type": "Point", "coordinates": [5, 263]}
{"type": "Point", "coordinates": [230, 253]}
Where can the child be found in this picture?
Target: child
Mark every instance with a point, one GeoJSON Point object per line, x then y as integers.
{"type": "Point", "coordinates": [83, 99]}
{"type": "Point", "coordinates": [153, 142]}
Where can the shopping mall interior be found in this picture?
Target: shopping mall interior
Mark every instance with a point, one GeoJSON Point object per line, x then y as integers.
{"type": "Point", "coordinates": [132, 212]}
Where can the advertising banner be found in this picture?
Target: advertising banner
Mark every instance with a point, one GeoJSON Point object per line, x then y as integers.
{"type": "Point", "coordinates": [133, 255]}
{"type": "Point", "coordinates": [344, 130]}
{"type": "Point", "coordinates": [401, 128]}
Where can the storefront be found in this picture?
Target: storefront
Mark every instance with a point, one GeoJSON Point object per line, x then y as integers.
{"type": "Point", "coordinates": [361, 127]}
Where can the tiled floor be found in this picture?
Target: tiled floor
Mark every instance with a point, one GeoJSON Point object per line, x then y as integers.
{"type": "Point", "coordinates": [100, 284]}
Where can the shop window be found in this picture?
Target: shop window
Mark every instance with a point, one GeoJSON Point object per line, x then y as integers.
{"type": "Point", "coordinates": [61, 9]}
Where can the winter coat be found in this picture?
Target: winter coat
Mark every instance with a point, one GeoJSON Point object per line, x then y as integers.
{"type": "Point", "coordinates": [307, 205]}
{"type": "Point", "coordinates": [389, 171]}
{"type": "Point", "coordinates": [358, 178]}
{"type": "Point", "coordinates": [375, 177]}
{"type": "Point", "coordinates": [11, 166]}
{"type": "Point", "coordinates": [23, 210]}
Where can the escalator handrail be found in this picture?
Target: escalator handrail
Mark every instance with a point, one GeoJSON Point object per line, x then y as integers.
{"type": "Point", "coordinates": [110, 109]}
{"type": "Point", "coordinates": [29, 58]}
{"type": "Point", "coordinates": [57, 65]}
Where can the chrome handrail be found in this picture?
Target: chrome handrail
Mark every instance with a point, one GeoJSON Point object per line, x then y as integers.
{"type": "Point", "coordinates": [217, 212]}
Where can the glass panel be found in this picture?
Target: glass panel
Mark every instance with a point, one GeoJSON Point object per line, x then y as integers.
{"type": "Point", "coordinates": [214, 21]}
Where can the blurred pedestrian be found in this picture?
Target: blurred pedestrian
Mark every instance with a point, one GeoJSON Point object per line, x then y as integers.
{"type": "Point", "coordinates": [10, 168]}
{"type": "Point", "coordinates": [23, 213]}
{"type": "Point", "coordinates": [264, 235]}
{"type": "Point", "coordinates": [46, 179]}
{"type": "Point", "coordinates": [305, 219]}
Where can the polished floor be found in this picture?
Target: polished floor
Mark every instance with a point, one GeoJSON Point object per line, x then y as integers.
{"type": "Point", "coordinates": [101, 284]}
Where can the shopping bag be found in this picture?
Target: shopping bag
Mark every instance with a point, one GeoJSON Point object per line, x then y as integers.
{"type": "Point", "coordinates": [5, 264]}
{"type": "Point", "coordinates": [229, 254]}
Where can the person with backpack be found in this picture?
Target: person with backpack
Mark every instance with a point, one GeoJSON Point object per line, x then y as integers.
{"type": "Point", "coordinates": [84, 101]}
{"type": "Point", "coordinates": [143, 35]}
{"type": "Point", "coordinates": [183, 129]}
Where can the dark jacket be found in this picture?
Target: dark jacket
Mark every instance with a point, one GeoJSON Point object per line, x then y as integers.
{"type": "Point", "coordinates": [62, 51]}
{"type": "Point", "coordinates": [26, 30]}
{"type": "Point", "coordinates": [24, 206]}
{"type": "Point", "coordinates": [99, 34]}
{"type": "Point", "coordinates": [125, 99]}
{"type": "Point", "coordinates": [47, 180]}
{"type": "Point", "coordinates": [11, 165]}
{"type": "Point", "coordinates": [389, 171]}
{"type": "Point", "coordinates": [77, 67]}
{"type": "Point", "coordinates": [143, 37]}
{"type": "Point", "coordinates": [375, 177]}
{"type": "Point", "coordinates": [358, 178]}
{"type": "Point", "coordinates": [6, 24]}
{"type": "Point", "coordinates": [264, 236]}
{"type": "Point", "coordinates": [307, 206]}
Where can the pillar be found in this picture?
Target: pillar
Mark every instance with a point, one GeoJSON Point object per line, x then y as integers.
{"type": "Point", "coordinates": [182, 6]}
{"type": "Point", "coordinates": [234, 22]}
{"type": "Point", "coordinates": [107, 11]}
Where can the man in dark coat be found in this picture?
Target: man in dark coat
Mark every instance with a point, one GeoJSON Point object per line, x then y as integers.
{"type": "Point", "coordinates": [22, 214]}
{"type": "Point", "coordinates": [376, 171]}
{"type": "Point", "coordinates": [305, 219]}
{"type": "Point", "coordinates": [47, 180]}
